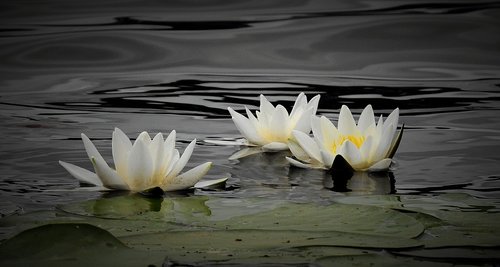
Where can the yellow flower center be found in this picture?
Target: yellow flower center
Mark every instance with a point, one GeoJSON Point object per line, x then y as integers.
{"type": "Point", "coordinates": [357, 140]}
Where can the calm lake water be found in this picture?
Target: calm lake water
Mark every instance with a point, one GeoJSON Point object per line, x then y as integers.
{"type": "Point", "coordinates": [68, 67]}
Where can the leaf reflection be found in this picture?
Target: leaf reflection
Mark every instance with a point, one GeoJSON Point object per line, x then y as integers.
{"type": "Point", "coordinates": [361, 183]}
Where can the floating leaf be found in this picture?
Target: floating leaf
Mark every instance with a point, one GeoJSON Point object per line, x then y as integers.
{"type": "Point", "coordinates": [490, 256]}
{"type": "Point", "coordinates": [71, 244]}
{"type": "Point", "coordinates": [337, 217]}
{"type": "Point", "coordinates": [376, 260]}
{"type": "Point", "coordinates": [244, 244]}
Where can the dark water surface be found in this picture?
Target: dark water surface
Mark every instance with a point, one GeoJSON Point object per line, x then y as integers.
{"type": "Point", "coordinates": [68, 67]}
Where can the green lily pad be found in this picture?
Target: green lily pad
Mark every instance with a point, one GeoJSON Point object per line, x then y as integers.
{"type": "Point", "coordinates": [71, 244]}
{"type": "Point", "coordinates": [341, 218]}
{"type": "Point", "coordinates": [451, 236]}
{"type": "Point", "coordinates": [375, 260]}
{"type": "Point", "coordinates": [221, 245]}
{"type": "Point", "coordinates": [491, 255]}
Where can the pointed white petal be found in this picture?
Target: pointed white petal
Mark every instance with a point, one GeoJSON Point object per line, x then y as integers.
{"type": "Point", "coordinates": [383, 146]}
{"type": "Point", "coordinates": [121, 146]}
{"type": "Point", "coordinates": [366, 119]}
{"type": "Point", "coordinates": [179, 165]}
{"type": "Point", "coordinates": [265, 106]}
{"type": "Point", "coordinates": [316, 129]}
{"type": "Point", "coordinates": [140, 166]}
{"type": "Point", "coordinates": [308, 145]}
{"type": "Point", "coordinates": [90, 148]}
{"type": "Point", "coordinates": [211, 183]}
{"type": "Point", "coordinates": [158, 153]}
{"type": "Point", "coordinates": [300, 102]}
{"type": "Point", "coordinates": [351, 154]}
{"type": "Point", "coordinates": [169, 147]}
{"type": "Point", "coordinates": [299, 164]}
{"type": "Point", "coordinates": [382, 165]}
{"type": "Point", "coordinates": [303, 123]}
{"type": "Point", "coordinates": [327, 158]}
{"type": "Point", "coordinates": [392, 118]}
{"type": "Point", "coordinates": [174, 158]}
{"type": "Point", "coordinates": [346, 124]}
{"type": "Point", "coordinates": [313, 103]}
{"type": "Point", "coordinates": [275, 146]}
{"type": "Point", "coordinates": [298, 152]}
{"type": "Point", "coordinates": [252, 118]}
{"type": "Point", "coordinates": [280, 124]}
{"type": "Point", "coordinates": [239, 142]}
{"type": "Point", "coordinates": [81, 174]}
{"type": "Point", "coordinates": [144, 136]}
{"type": "Point", "coordinates": [245, 152]}
{"type": "Point", "coordinates": [366, 148]}
{"type": "Point", "coordinates": [328, 131]}
{"type": "Point", "coordinates": [108, 176]}
{"type": "Point", "coordinates": [187, 179]}
{"type": "Point", "coordinates": [245, 127]}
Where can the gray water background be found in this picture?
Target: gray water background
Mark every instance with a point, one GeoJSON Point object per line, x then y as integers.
{"type": "Point", "coordinates": [68, 67]}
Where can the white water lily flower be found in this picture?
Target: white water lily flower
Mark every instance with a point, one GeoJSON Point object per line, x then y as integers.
{"type": "Point", "coordinates": [272, 126]}
{"type": "Point", "coordinates": [366, 146]}
{"type": "Point", "coordinates": [145, 164]}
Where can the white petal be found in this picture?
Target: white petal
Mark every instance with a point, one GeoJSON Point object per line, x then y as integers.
{"type": "Point", "coordinates": [308, 145]}
{"type": "Point", "coordinates": [316, 129]}
{"type": "Point", "coordinates": [300, 102]}
{"type": "Point", "coordinates": [187, 179]}
{"type": "Point", "coordinates": [366, 119]}
{"type": "Point", "coordinates": [298, 152]}
{"type": "Point", "coordinates": [90, 148]}
{"type": "Point", "coordinates": [169, 147]}
{"type": "Point", "coordinates": [175, 156]}
{"type": "Point", "coordinates": [383, 146]}
{"type": "Point", "coordinates": [382, 165]}
{"type": "Point", "coordinates": [140, 166]}
{"type": "Point", "coordinates": [121, 146]}
{"type": "Point", "coordinates": [328, 158]}
{"type": "Point", "coordinates": [144, 136]}
{"type": "Point", "coordinates": [366, 148]}
{"type": "Point", "coordinates": [252, 118]}
{"type": "Point", "coordinates": [299, 164]}
{"type": "Point", "coordinates": [108, 176]}
{"type": "Point", "coordinates": [245, 152]}
{"type": "Point", "coordinates": [351, 154]}
{"type": "Point", "coordinates": [210, 183]}
{"type": "Point", "coordinates": [158, 153]}
{"type": "Point", "coordinates": [391, 123]}
{"type": "Point", "coordinates": [239, 142]}
{"type": "Point", "coordinates": [275, 146]}
{"type": "Point", "coordinates": [81, 174]}
{"type": "Point", "coordinates": [346, 124]}
{"type": "Point", "coordinates": [392, 118]}
{"type": "Point", "coordinates": [303, 123]}
{"type": "Point", "coordinates": [265, 106]}
{"type": "Point", "coordinates": [179, 165]}
{"type": "Point", "coordinates": [245, 127]}
{"type": "Point", "coordinates": [328, 131]}
{"type": "Point", "coordinates": [313, 103]}
{"type": "Point", "coordinates": [280, 123]}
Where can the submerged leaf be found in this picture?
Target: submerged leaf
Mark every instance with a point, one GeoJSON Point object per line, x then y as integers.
{"type": "Point", "coordinates": [75, 244]}
{"type": "Point", "coordinates": [218, 245]}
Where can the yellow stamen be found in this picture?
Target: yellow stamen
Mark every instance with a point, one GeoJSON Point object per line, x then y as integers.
{"type": "Point", "coordinates": [357, 140]}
